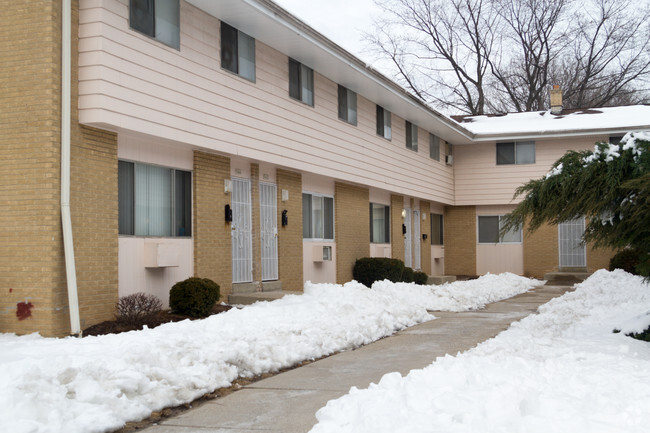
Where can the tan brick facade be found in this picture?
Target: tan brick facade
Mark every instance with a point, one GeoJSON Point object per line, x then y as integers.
{"type": "Point", "coordinates": [396, 221]}
{"type": "Point", "coordinates": [425, 229]}
{"type": "Point", "coordinates": [290, 236]}
{"type": "Point", "coordinates": [460, 240]}
{"type": "Point", "coordinates": [212, 238]}
{"type": "Point", "coordinates": [598, 258]}
{"type": "Point", "coordinates": [352, 228]}
{"type": "Point", "coordinates": [541, 251]}
{"type": "Point", "coordinates": [255, 215]}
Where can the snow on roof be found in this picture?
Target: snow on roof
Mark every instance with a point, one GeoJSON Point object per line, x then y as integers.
{"type": "Point", "coordinates": [633, 117]}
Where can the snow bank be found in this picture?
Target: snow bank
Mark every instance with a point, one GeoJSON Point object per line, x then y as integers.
{"type": "Point", "coordinates": [560, 370]}
{"type": "Point", "coordinates": [96, 384]}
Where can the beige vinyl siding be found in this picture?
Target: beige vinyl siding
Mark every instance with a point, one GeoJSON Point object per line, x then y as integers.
{"type": "Point", "coordinates": [129, 81]}
{"type": "Point", "coordinates": [480, 181]}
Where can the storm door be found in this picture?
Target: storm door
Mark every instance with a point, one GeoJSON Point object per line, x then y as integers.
{"type": "Point", "coordinates": [573, 253]}
{"type": "Point", "coordinates": [242, 248]}
{"type": "Point", "coordinates": [269, 230]}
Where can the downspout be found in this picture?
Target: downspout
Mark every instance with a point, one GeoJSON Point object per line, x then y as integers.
{"type": "Point", "coordinates": [66, 220]}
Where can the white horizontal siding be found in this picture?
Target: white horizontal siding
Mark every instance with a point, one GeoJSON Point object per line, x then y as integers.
{"type": "Point", "coordinates": [131, 82]}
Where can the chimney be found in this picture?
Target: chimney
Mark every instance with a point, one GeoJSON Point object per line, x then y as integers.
{"type": "Point", "coordinates": [556, 100]}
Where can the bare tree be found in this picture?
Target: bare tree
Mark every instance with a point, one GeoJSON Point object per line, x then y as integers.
{"type": "Point", "coordinates": [474, 56]}
{"type": "Point", "coordinates": [439, 49]}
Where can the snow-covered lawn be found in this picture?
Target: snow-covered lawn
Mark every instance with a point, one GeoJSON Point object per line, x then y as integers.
{"type": "Point", "coordinates": [96, 384]}
{"type": "Point", "coordinates": [562, 370]}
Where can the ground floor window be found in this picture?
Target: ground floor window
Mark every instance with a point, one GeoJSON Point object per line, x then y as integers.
{"type": "Point", "coordinates": [154, 200]}
{"type": "Point", "coordinates": [379, 223]}
{"type": "Point", "coordinates": [317, 217]}
{"type": "Point", "coordinates": [437, 221]}
{"type": "Point", "coordinates": [488, 231]}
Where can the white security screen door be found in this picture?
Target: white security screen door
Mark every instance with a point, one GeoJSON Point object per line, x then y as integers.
{"type": "Point", "coordinates": [416, 240]}
{"type": "Point", "coordinates": [269, 230]}
{"type": "Point", "coordinates": [407, 238]}
{"type": "Point", "coordinates": [573, 253]}
{"type": "Point", "coordinates": [242, 247]}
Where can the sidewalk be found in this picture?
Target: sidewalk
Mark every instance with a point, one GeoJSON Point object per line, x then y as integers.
{"type": "Point", "coordinates": [288, 401]}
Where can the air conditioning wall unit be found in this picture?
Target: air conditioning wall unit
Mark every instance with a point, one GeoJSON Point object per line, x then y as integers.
{"type": "Point", "coordinates": [449, 159]}
{"type": "Point", "coordinates": [322, 253]}
{"type": "Point", "coordinates": [160, 255]}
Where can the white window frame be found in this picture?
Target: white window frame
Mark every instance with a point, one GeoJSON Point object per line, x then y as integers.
{"type": "Point", "coordinates": [516, 145]}
{"type": "Point", "coordinates": [434, 147]}
{"type": "Point", "coordinates": [386, 225]}
{"type": "Point", "coordinates": [304, 83]}
{"type": "Point", "coordinates": [347, 105]}
{"type": "Point", "coordinates": [501, 240]}
{"type": "Point", "coordinates": [159, 27]}
{"type": "Point", "coordinates": [441, 239]}
{"type": "Point", "coordinates": [313, 220]}
{"type": "Point", "coordinates": [411, 136]}
{"type": "Point", "coordinates": [384, 128]}
{"type": "Point", "coordinates": [239, 53]}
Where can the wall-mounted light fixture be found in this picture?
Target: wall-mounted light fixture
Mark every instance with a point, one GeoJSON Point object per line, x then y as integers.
{"type": "Point", "coordinates": [285, 218]}
{"type": "Point", "coordinates": [285, 195]}
{"type": "Point", "coordinates": [424, 236]}
{"type": "Point", "coordinates": [227, 185]}
{"type": "Point", "coordinates": [403, 229]}
{"type": "Point", "coordinates": [228, 214]}
{"type": "Point", "coordinates": [424, 216]}
{"type": "Point", "coordinates": [403, 213]}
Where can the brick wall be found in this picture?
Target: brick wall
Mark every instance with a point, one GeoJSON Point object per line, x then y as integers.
{"type": "Point", "coordinates": [541, 253]}
{"type": "Point", "coordinates": [460, 240]}
{"type": "Point", "coordinates": [396, 221]}
{"type": "Point", "coordinates": [425, 229]}
{"type": "Point", "coordinates": [212, 238]}
{"type": "Point", "coordinates": [598, 258]}
{"type": "Point", "coordinates": [290, 236]}
{"type": "Point", "coordinates": [255, 222]}
{"type": "Point", "coordinates": [352, 228]}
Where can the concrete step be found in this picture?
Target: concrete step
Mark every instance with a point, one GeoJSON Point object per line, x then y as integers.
{"type": "Point", "coordinates": [245, 287]}
{"type": "Point", "coordinates": [565, 278]}
{"type": "Point", "coordinates": [441, 279]}
{"type": "Point", "coordinates": [251, 298]}
{"type": "Point", "coordinates": [271, 286]}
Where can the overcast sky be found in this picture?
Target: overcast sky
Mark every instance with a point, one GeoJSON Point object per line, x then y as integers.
{"type": "Point", "coordinates": [342, 21]}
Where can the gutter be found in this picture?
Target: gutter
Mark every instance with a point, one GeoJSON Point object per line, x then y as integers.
{"type": "Point", "coordinates": [66, 220]}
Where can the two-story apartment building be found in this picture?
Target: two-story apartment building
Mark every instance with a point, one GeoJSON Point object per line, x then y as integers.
{"type": "Point", "coordinates": [226, 139]}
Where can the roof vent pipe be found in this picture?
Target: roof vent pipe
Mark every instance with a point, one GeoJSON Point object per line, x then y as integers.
{"type": "Point", "coordinates": [556, 100]}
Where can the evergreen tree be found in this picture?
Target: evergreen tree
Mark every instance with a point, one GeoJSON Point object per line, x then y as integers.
{"type": "Point", "coordinates": [610, 186]}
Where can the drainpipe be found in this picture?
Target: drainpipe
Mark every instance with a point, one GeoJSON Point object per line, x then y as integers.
{"type": "Point", "coordinates": [66, 220]}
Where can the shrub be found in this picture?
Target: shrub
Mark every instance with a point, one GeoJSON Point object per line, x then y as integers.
{"type": "Point", "coordinates": [627, 259]}
{"type": "Point", "coordinates": [408, 275]}
{"type": "Point", "coordinates": [194, 297]}
{"type": "Point", "coordinates": [134, 309]}
{"type": "Point", "coordinates": [367, 270]}
{"type": "Point", "coordinates": [420, 277]}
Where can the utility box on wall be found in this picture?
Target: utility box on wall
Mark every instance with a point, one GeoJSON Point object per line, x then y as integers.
{"type": "Point", "coordinates": [160, 255]}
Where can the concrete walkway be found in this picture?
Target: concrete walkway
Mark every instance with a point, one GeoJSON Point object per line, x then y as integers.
{"type": "Point", "coordinates": [288, 401]}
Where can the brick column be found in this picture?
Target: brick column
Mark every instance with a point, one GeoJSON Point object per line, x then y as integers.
{"type": "Point", "coordinates": [460, 240]}
{"type": "Point", "coordinates": [351, 228]}
{"type": "Point", "coordinates": [396, 221]}
{"type": "Point", "coordinates": [425, 229]}
{"type": "Point", "coordinates": [290, 236]}
{"type": "Point", "coordinates": [255, 222]}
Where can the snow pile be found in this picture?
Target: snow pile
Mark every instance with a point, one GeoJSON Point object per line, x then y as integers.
{"type": "Point", "coordinates": [96, 384]}
{"type": "Point", "coordinates": [561, 370]}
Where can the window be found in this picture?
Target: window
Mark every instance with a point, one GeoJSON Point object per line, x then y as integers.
{"type": "Point", "coordinates": [434, 147]}
{"type": "Point", "coordinates": [437, 221]}
{"type": "Point", "coordinates": [154, 200]}
{"type": "Point", "coordinates": [156, 18]}
{"type": "Point", "coordinates": [615, 139]}
{"type": "Point", "coordinates": [317, 217]}
{"type": "Point", "coordinates": [379, 223]}
{"type": "Point", "coordinates": [411, 136]}
{"type": "Point", "coordinates": [516, 152]}
{"type": "Point", "coordinates": [488, 231]}
{"type": "Point", "coordinates": [301, 82]}
{"type": "Point", "coordinates": [237, 52]}
{"type": "Point", "coordinates": [347, 105]}
{"type": "Point", "coordinates": [383, 123]}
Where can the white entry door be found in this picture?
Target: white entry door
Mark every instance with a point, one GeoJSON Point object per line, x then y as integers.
{"type": "Point", "coordinates": [416, 240]}
{"type": "Point", "coordinates": [407, 238]}
{"type": "Point", "coordinates": [242, 246]}
{"type": "Point", "coordinates": [573, 253]}
{"type": "Point", "coordinates": [269, 230]}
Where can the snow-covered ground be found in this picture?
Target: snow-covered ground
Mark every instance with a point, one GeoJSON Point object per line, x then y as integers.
{"type": "Point", "coordinates": [96, 384]}
{"type": "Point", "coordinates": [563, 370]}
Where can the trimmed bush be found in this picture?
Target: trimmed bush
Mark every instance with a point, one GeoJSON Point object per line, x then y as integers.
{"type": "Point", "coordinates": [408, 275]}
{"type": "Point", "coordinates": [420, 278]}
{"type": "Point", "coordinates": [194, 297]}
{"type": "Point", "coordinates": [367, 270]}
{"type": "Point", "coordinates": [136, 308]}
{"type": "Point", "coordinates": [627, 259]}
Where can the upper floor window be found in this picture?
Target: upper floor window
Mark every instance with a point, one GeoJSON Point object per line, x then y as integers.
{"type": "Point", "coordinates": [437, 233]}
{"type": "Point", "coordinates": [516, 152]}
{"type": "Point", "coordinates": [434, 147]}
{"type": "Point", "coordinates": [154, 200]}
{"type": "Point", "coordinates": [157, 18]}
{"type": "Point", "coordinates": [347, 105]}
{"type": "Point", "coordinates": [237, 52]}
{"type": "Point", "coordinates": [301, 82]}
{"type": "Point", "coordinates": [383, 123]}
{"type": "Point", "coordinates": [488, 231]}
{"type": "Point", "coordinates": [379, 223]}
{"type": "Point", "coordinates": [411, 136]}
{"type": "Point", "coordinates": [317, 217]}
{"type": "Point", "coordinates": [615, 139]}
